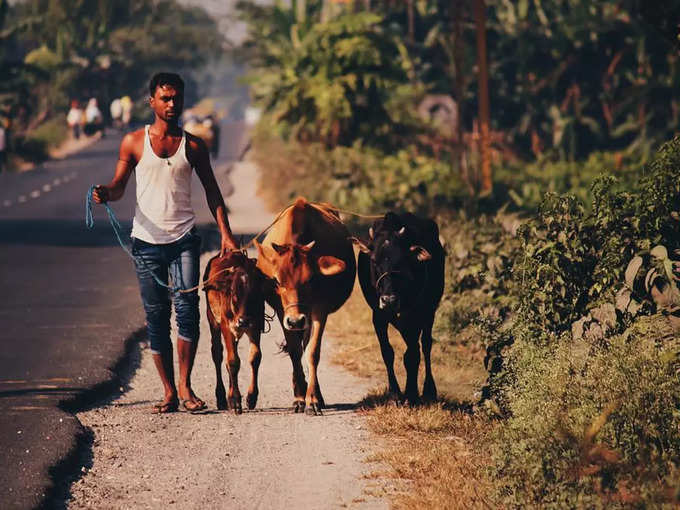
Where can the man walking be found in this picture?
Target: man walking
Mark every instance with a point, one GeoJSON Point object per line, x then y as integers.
{"type": "Point", "coordinates": [165, 241]}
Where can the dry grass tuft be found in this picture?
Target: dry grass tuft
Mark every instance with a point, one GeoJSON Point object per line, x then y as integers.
{"type": "Point", "coordinates": [441, 454]}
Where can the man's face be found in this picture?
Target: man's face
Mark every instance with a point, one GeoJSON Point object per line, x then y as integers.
{"type": "Point", "coordinates": [167, 103]}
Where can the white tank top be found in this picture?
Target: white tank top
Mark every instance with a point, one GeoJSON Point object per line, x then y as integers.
{"type": "Point", "coordinates": [163, 212]}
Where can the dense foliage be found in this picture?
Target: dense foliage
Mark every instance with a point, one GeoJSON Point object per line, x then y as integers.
{"type": "Point", "coordinates": [590, 382]}
{"type": "Point", "coordinates": [54, 51]}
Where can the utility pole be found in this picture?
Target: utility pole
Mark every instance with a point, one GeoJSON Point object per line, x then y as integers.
{"type": "Point", "coordinates": [483, 97]}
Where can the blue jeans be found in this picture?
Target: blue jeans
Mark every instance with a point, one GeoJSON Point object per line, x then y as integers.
{"type": "Point", "coordinates": [179, 260]}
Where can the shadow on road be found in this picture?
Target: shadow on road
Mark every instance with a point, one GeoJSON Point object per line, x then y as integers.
{"type": "Point", "coordinates": [74, 233]}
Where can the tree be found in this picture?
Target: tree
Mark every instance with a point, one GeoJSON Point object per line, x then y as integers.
{"type": "Point", "coordinates": [483, 91]}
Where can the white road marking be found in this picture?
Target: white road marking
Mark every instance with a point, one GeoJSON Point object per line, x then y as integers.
{"type": "Point", "coordinates": [56, 181]}
{"type": "Point", "coordinates": [21, 199]}
{"type": "Point", "coordinates": [35, 193]}
{"type": "Point", "coordinates": [47, 188]}
{"type": "Point", "coordinates": [7, 203]}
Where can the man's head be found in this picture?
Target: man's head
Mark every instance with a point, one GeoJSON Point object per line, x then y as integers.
{"type": "Point", "coordinates": [166, 96]}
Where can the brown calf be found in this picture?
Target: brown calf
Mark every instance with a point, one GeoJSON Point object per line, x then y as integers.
{"type": "Point", "coordinates": [235, 305]}
{"type": "Point", "coordinates": [309, 257]}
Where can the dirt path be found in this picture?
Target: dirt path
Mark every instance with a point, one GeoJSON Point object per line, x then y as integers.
{"type": "Point", "coordinates": [267, 458]}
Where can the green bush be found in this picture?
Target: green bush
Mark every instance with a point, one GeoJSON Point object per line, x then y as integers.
{"type": "Point", "coordinates": [525, 186]}
{"type": "Point", "coordinates": [52, 132]}
{"type": "Point", "coordinates": [592, 425]}
{"type": "Point", "coordinates": [358, 178]}
{"type": "Point", "coordinates": [590, 384]}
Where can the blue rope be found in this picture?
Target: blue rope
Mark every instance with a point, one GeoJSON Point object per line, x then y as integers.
{"type": "Point", "coordinates": [117, 229]}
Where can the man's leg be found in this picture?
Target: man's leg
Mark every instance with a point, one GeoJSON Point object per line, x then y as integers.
{"type": "Point", "coordinates": [156, 302]}
{"type": "Point", "coordinates": [184, 270]}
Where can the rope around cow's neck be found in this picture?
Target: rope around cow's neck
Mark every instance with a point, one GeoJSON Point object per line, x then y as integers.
{"type": "Point", "coordinates": [117, 229]}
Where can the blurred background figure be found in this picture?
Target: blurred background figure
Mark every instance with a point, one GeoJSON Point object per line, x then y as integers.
{"type": "Point", "coordinates": [3, 146]}
{"type": "Point", "coordinates": [203, 122]}
{"type": "Point", "coordinates": [94, 121]}
{"type": "Point", "coordinates": [126, 105]}
{"type": "Point", "coordinates": [116, 110]}
{"type": "Point", "coordinates": [75, 118]}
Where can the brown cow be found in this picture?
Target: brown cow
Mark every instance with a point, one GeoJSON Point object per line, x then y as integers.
{"type": "Point", "coordinates": [235, 305]}
{"type": "Point", "coordinates": [309, 256]}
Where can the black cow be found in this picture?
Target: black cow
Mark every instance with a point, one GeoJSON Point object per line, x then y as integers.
{"type": "Point", "coordinates": [401, 272]}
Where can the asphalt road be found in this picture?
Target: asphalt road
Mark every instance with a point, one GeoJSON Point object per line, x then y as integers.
{"type": "Point", "coordinates": [69, 309]}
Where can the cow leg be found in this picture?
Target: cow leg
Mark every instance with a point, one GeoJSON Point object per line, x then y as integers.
{"type": "Point", "coordinates": [254, 358]}
{"type": "Point", "coordinates": [411, 363]}
{"type": "Point", "coordinates": [233, 366]}
{"type": "Point", "coordinates": [429, 388]}
{"type": "Point", "coordinates": [380, 326]}
{"type": "Point", "coordinates": [294, 349]}
{"type": "Point", "coordinates": [294, 346]}
{"type": "Point", "coordinates": [217, 352]}
{"type": "Point", "coordinates": [313, 400]}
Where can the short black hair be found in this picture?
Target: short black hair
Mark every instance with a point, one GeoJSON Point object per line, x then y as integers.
{"type": "Point", "coordinates": [160, 79]}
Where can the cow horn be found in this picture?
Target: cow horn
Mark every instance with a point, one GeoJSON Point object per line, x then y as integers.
{"type": "Point", "coordinates": [309, 245]}
{"type": "Point", "coordinates": [370, 232]}
{"type": "Point", "coordinates": [402, 231]}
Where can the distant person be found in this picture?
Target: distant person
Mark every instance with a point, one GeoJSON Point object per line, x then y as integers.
{"type": "Point", "coordinates": [126, 105]}
{"type": "Point", "coordinates": [3, 146]}
{"type": "Point", "coordinates": [165, 241]}
{"type": "Point", "coordinates": [94, 121]}
{"type": "Point", "coordinates": [215, 127]}
{"type": "Point", "coordinates": [116, 110]}
{"type": "Point", "coordinates": [75, 118]}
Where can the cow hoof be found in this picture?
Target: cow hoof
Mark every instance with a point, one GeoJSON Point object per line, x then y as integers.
{"type": "Point", "coordinates": [222, 404]}
{"type": "Point", "coordinates": [413, 401]}
{"type": "Point", "coordinates": [235, 406]}
{"type": "Point", "coordinates": [430, 398]}
{"type": "Point", "coordinates": [298, 406]}
{"type": "Point", "coordinates": [251, 400]}
{"type": "Point", "coordinates": [313, 410]}
{"type": "Point", "coordinates": [395, 398]}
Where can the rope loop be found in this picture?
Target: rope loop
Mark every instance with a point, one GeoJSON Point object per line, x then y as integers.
{"type": "Point", "coordinates": [118, 230]}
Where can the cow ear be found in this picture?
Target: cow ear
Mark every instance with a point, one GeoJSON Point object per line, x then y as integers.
{"type": "Point", "coordinates": [360, 244]}
{"type": "Point", "coordinates": [329, 266]}
{"type": "Point", "coordinates": [421, 253]}
{"type": "Point", "coordinates": [280, 248]}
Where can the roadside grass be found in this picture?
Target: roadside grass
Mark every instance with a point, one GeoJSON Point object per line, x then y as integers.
{"type": "Point", "coordinates": [437, 453]}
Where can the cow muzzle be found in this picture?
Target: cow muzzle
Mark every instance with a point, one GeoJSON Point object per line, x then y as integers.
{"type": "Point", "coordinates": [389, 302]}
{"type": "Point", "coordinates": [295, 323]}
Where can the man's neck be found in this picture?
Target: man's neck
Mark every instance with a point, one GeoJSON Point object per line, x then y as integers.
{"type": "Point", "coordinates": [164, 128]}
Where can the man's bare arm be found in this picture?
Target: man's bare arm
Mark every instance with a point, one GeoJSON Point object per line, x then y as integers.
{"type": "Point", "coordinates": [201, 163]}
{"type": "Point", "coordinates": [127, 161]}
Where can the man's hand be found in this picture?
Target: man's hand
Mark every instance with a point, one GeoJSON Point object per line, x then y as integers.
{"type": "Point", "coordinates": [228, 244]}
{"type": "Point", "coordinates": [100, 194]}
